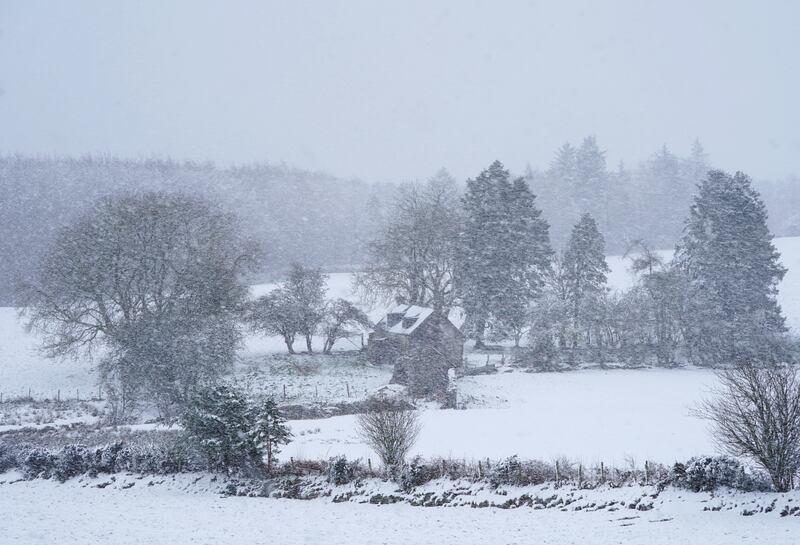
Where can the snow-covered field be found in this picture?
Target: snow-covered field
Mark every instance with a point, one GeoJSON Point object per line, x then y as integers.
{"type": "Point", "coordinates": [176, 515]}
{"type": "Point", "coordinates": [611, 416]}
{"type": "Point", "coordinates": [608, 416]}
{"type": "Point", "coordinates": [595, 415]}
{"type": "Point", "coordinates": [23, 368]}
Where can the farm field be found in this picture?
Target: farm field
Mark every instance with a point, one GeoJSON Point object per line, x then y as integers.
{"type": "Point", "coordinates": [609, 416]}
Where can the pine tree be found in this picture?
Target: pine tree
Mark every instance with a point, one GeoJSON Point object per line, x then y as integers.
{"type": "Point", "coordinates": [585, 269]}
{"type": "Point", "coordinates": [504, 250]}
{"type": "Point", "coordinates": [592, 178]}
{"type": "Point", "coordinates": [557, 193]}
{"type": "Point", "coordinates": [563, 166]}
{"type": "Point", "coordinates": [480, 266]}
{"type": "Point", "coordinates": [733, 271]}
{"type": "Point", "coordinates": [269, 430]}
{"type": "Point", "coordinates": [529, 254]}
{"type": "Point", "coordinates": [218, 421]}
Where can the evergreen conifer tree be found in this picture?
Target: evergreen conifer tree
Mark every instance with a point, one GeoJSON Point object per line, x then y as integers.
{"type": "Point", "coordinates": [585, 269]}
{"type": "Point", "coordinates": [481, 260]}
{"type": "Point", "coordinates": [733, 271]}
{"type": "Point", "coordinates": [269, 430]}
{"type": "Point", "coordinates": [504, 254]}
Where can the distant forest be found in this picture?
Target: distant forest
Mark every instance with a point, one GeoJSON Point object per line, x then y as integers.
{"type": "Point", "coordinates": [320, 220]}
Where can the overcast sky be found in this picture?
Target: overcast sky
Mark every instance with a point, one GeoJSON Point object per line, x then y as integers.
{"type": "Point", "coordinates": [393, 91]}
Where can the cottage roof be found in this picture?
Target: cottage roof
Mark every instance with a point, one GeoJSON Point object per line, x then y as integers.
{"type": "Point", "coordinates": [404, 319]}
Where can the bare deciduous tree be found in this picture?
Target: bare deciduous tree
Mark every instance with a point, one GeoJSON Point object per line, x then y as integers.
{"type": "Point", "coordinates": [390, 433]}
{"type": "Point", "coordinates": [413, 259]}
{"type": "Point", "coordinates": [756, 414]}
{"type": "Point", "coordinates": [277, 313]}
{"type": "Point", "coordinates": [340, 317]}
{"type": "Point", "coordinates": [307, 287]}
{"type": "Point", "coordinates": [152, 278]}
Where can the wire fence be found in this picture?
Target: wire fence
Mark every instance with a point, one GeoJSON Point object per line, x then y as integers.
{"type": "Point", "coordinates": [53, 396]}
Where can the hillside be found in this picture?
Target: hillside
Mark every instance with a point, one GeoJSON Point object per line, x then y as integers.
{"type": "Point", "coordinates": [38, 196]}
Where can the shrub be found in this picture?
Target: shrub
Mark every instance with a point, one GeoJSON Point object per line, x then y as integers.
{"type": "Point", "coordinates": [38, 464]}
{"type": "Point", "coordinates": [508, 471]}
{"type": "Point", "coordinates": [105, 458]}
{"type": "Point", "coordinates": [8, 460]}
{"type": "Point", "coordinates": [417, 472]}
{"type": "Point", "coordinates": [71, 462]}
{"type": "Point", "coordinates": [706, 474]}
{"type": "Point", "coordinates": [341, 471]}
{"type": "Point", "coordinates": [391, 434]}
{"type": "Point", "coordinates": [756, 413]}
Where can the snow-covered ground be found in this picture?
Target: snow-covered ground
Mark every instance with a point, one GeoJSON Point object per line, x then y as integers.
{"type": "Point", "coordinates": [24, 368]}
{"type": "Point", "coordinates": [608, 416]}
{"type": "Point", "coordinates": [175, 513]}
{"type": "Point", "coordinates": [596, 415]}
{"type": "Point", "coordinates": [591, 416]}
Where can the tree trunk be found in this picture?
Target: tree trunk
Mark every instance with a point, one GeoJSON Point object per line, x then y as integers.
{"type": "Point", "coordinates": [308, 344]}
{"type": "Point", "coordinates": [480, 329]}
{"type": "Point", "coordinates": [289, 340]}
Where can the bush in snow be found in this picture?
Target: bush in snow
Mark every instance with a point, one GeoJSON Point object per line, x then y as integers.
{"type": "Point", "coordinates": [8, 460]}
{"type": "Point", "coordinates": [70, 462]}
{"type": "Point", "coordinates": [756, 413]}
{"type": "Point", "coordinates": [342, 471]}
{"type": "Point", "coordinates": [105, 458]}
{"type": "Point", "coordinates": [508, 471]}
{"type": "Point", "coordinates": [417, 472]}
{"type": "Point", "coordinates": [38, 463]}
{"type": "Point", "coordinates": [390, 433]}
{"type": "Point", "coordinates": [706, 474]}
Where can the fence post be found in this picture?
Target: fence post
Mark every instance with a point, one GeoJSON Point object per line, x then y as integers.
{"type": "Point", "coordinates": [347, 384]}
{"type": "Point", "coordinates": [29, 394]}
{"type": "Point", "coordinates": [58, 395]}
{"type": "Point", "coordinates": [602, 473]}
{"type": "Point", "coordinates": [284, 392]}
{"type": "Point", "coordinates": [558, 473]}
{"type": "Point", "coordinates": [580, 475]}
{"type": "Point", "coordinates": [646, 472]}
{"type": "Point", "coordinates": [77, 394]}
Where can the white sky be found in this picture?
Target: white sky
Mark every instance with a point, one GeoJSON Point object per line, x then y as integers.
{"type": "Point", "coordinates": [393, 91]}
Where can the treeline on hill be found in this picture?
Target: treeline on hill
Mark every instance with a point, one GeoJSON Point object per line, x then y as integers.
{"type": "Point", "coordinates": [489, 252]}
{"type": "Point", "coordinates": [320, 220]}
{"type": "Point", "coordinates": [296, 215]}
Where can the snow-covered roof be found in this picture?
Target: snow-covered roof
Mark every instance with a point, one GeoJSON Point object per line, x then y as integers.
{"type": "Point", "coordinates": [411, 316]}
